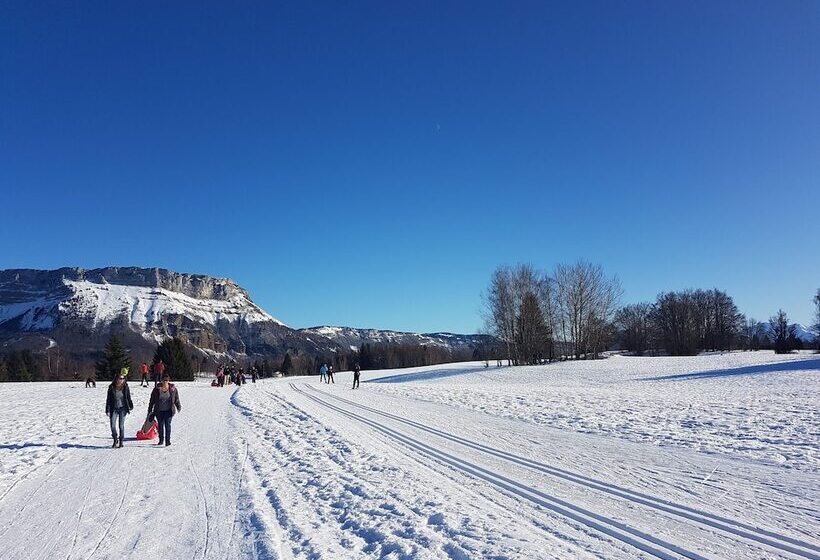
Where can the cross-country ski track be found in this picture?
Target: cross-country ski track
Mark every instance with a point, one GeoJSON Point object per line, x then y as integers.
{"type": "Point", "coordinates": [291, 468]}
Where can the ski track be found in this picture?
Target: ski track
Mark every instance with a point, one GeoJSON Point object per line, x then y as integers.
{"type": "Point", "coordinates": [429, 464]}
{"type": "Point", "coordinates": [740, 529]}
{"type": "Point", "coordinates": [609, 527]}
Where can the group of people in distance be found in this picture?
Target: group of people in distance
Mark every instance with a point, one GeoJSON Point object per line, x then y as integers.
{"type": "Point", "coordinates": [162, 405]}
{"type": "Point", "coordinates": [233, 376]}
{"type": "Point", "coordinates": [326, 375]}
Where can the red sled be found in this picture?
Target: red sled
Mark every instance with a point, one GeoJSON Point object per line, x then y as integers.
{"type": "Point", "coordinates": [150, 434]}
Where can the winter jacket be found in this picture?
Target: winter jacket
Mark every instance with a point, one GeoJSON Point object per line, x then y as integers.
{"type": "Point", "coordinates": [154, 400]}
{"type": "Point", "coordinates": [323, 370]}
{"type": "Point", "coordinates": [110, 400]}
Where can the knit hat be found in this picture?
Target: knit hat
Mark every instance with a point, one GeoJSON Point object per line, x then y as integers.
{"type": "Point", "coordinates": [124, 372]}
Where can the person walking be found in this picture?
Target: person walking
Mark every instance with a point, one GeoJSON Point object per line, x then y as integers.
{"type": "Point", "coordinates": [357, 371]}
{"type": "Point", "coordinates": [144, 373]}
{"type": "Point", "coordinates": [164, 403]}
{"type": "Point", "coordinates": [240, 377]}
{"type": "Point", "coordinates": [117, 405]}
{"type": "Point", "coordinates": [330, 375]}
{"type": "Point", "coordinates": [220, 377]}
{"type": "Point", "coordinates": [322, 373]}
{"type": "Point", "coordinates": [254, 374]}
{"type": "Point", "coordinates": [159, 371]}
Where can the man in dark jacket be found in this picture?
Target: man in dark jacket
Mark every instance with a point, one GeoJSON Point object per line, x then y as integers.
{"type": "Point", "coordinates": [357, 371]}
{"type": "Point", "coordinates": [164, 403]}
{"type": "Point", "coordinates": [117, 404]}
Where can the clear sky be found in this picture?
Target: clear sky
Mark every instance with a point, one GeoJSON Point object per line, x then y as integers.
{"type": "Point", "coordinates": [369, 164]}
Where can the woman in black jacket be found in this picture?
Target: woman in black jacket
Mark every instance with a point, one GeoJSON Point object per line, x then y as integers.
{"type": "Point", "coordinates": [162, 405]}
{"type": "Point", "coordinates": [117, 404]}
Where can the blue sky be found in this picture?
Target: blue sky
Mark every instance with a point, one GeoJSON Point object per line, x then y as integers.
{"type": "Point", "coordinates": [369, 164]}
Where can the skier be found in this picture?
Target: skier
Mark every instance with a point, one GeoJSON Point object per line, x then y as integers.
{"type": "Point", "coordinates": [144, 372]}
{"type": "Point", "coordinates": [356, 373]}
{"type": "Point", "coordinates": [117, 404]}
{"type": "Point", "coordinates": [322, 372]}
{"type": "Point", "coordinates": [164, 403]}
{"type": "Point", "coordinates": [330, 375]}
{"type": "Point", "coordinates": [159, 371]}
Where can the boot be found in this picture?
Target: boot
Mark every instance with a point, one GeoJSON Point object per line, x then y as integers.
{"type": "Point", "coordinates": [120, 444]}
{"type": "Point", "coordinates": [114, 444]}
{"type": "Point", "coordinates": [159, 442]}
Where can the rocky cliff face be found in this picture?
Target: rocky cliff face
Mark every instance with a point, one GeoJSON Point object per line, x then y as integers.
{"type": "Point", "coordinates": [77, 310]}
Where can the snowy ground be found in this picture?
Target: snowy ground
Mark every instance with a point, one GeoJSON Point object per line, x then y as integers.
{"type": "Point", "coordinates": [706, 457]}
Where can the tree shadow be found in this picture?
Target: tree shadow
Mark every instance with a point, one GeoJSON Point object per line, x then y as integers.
{"type": "Point", "coordinates": [781, 367]}
{"type": "Point", "coordinates": [20, 445]}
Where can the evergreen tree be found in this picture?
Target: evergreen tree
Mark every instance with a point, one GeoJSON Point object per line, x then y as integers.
{"type": "Point", "coordinates": [115, 357]}
{"type": "Point", "coordinates": [32, 367]}
{"type": "Point", "coordinates": [172, 353]}
{"type": "Point", "coordinates": [287, 365]}
{"type": "Point", "coordinates": [4, 376]}
{"type": "Point", "coordinates": [17, 370]}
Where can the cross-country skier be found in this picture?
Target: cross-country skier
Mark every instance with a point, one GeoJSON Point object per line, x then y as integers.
{"type": "Point", "coordinates": [322, 372]}
{"type": "Point", "coordinates": [356, 373]}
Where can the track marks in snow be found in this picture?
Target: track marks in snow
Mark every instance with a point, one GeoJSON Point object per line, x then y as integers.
{"type": "Point", "coordinates": [331, 497]}
{"type": "Point", "coordinates": [612, 528]}
{"type": "Point", "coordinates": [729, 526]}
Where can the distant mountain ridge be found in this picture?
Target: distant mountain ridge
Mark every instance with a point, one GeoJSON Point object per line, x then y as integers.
{"type": "Point", "coordinates": [353, 338]}
{"type": "Point", "coordinates": [77, 310]}
{"type": "Point", "coordinates": [74, 311]}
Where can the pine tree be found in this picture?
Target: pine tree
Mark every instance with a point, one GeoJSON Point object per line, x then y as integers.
{"type": "Point", "coordinates": [287, 365]}
{"type": "Point", "coordinates": [115, 357]}
{"type": "Point", "coordinates": [172, 353]}
{"type": "Point", "coordinates": [3, 370]}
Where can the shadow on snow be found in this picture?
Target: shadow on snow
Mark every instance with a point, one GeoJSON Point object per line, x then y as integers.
{"type": "Point", "coordinates": [781, 367]}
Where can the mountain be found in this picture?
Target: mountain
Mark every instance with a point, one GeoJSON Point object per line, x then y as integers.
{"type": "Point", "coordinates": [76, 310]}
{"type": "Point", "coordinates": [353, 338]}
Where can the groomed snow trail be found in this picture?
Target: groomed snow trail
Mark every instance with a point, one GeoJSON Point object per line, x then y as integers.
{"type": "Point", "coordinates": [423, 464]}
{"type": "Point", "coordinates": [88, 500]}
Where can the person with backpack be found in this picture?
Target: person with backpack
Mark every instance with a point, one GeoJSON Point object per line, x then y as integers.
{"type": "Point", "coordinates": [159, 371]}
{"type": "Point", "coordinates": [356, 373]}
{"type": "Point", "coordinates": [144, 373]}
{"type": "Point", "coordinates": [322, 372]}
{"type": "Point", "coordinates": [162, 406]}
{"type": "Point", "coordinates": [330, 375]}
{"type": "Point", "coordinates": [118, 404]}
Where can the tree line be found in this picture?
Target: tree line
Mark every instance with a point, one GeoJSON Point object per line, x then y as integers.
{"type": "Point", "coordinates": [573, 312]}
{"type": "Point", "coordinates": [540, 316]}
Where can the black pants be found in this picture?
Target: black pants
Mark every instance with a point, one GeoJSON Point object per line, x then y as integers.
{"type": "Point", "coordinates": [164, 424]}
{"type": "Point", "coordinates": [355, 381]}
{"type": "Point", "coordinates": [330, 378]}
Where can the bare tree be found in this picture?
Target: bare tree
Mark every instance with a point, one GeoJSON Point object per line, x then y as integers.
{"type": "Point", "coordinates": [587, 301]}
{"type": "Point", "coordinates": [634, 324]}
{"type": "Point", "coordinates": [781, 332]}
{"type": "Point", "coordinates": [500, 312]}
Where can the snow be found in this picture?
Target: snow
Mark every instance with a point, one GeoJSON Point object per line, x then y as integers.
{"type": "Point", "coordinates": [106, 302]}
{"type": "Point", "coordinates": [572, 460]}
{"type": "Point", "coordinates": [103, 303]}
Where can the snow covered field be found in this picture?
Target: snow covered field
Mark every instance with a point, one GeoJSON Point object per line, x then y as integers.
{"type": "Point", "coordinates": [704, 457]}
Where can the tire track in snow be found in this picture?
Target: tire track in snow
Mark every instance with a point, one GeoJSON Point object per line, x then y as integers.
{"type": "Point", "coordinates": [610, 527]}
{"type": "Point", "coordinates": [733, 527]}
